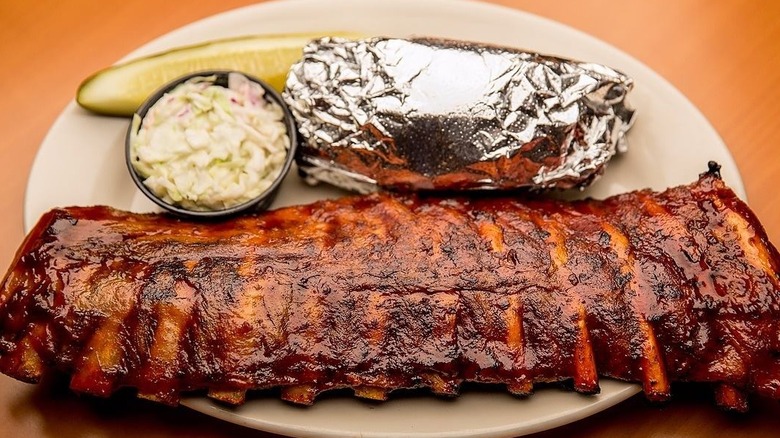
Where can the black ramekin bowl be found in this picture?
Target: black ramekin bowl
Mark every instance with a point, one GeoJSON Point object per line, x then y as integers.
{"type": "Point", "coordinates": [262, 201]}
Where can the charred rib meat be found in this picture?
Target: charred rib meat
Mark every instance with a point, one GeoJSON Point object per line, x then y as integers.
{"type": "Point", "coordinates": [384, 291]}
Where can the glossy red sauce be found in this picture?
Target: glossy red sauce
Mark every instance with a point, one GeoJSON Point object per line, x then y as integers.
{"type": "Point", "coordinates": [383, 292]}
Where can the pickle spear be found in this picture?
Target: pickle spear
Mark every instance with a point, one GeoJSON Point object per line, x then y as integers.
{"type": "Point", "coordinates": [120, 89]}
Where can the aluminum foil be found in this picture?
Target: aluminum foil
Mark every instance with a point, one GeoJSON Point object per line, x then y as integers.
{"type": "Point", "coordinates": [425, 114]}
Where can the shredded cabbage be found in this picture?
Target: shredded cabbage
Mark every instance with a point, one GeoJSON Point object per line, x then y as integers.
{"type": "Point", "coordinates": [204, 147]}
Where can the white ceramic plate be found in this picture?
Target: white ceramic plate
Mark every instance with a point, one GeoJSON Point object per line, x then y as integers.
{"type": "Point", "coordinates": [81, 163]}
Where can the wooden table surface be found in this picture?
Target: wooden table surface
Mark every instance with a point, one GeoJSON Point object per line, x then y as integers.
{"type": "Point", "coordinates": [724, 56]}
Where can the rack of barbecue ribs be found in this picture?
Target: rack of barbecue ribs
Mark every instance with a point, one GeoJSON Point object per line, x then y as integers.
{"type": "Point", "coordinates": [387, 291]}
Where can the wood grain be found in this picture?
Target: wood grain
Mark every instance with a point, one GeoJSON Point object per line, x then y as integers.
{"type": "Point", "coordinates": [724, 56]}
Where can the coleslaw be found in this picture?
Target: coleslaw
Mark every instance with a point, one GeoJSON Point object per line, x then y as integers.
{"type": "Point", "coordinates": [206, 147]}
